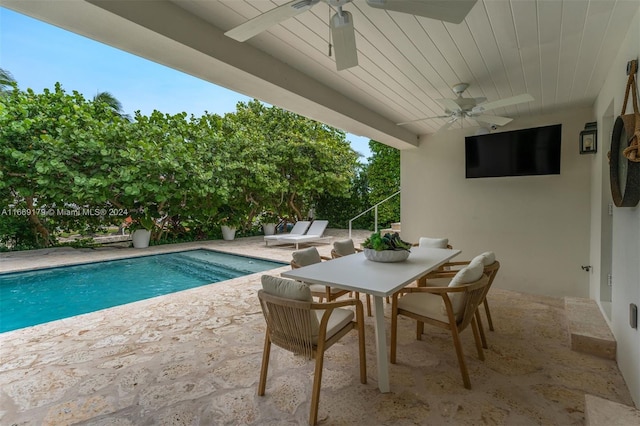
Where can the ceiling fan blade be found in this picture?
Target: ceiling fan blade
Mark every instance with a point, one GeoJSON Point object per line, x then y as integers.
{"type": "Point", "coordinates": [449, 104]}
{"type": "Point", "coordinates": [449, 11]}
{"type": "Point", "coordinates": [343, 35]}
{"type": "Point", "coordinates": [447, 125]}
{"type": "Point", "coordinates": [503, 103]}
{"type": "Point", "coordinates": [422, 119]}
{"type": "Point", "coordinates": [492, 119]}
{"type": "Point", "coordinates": [268, 19]}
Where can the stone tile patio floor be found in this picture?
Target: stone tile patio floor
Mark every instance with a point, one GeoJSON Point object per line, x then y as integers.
{"type": "Point", "coordinates": [193, 358]}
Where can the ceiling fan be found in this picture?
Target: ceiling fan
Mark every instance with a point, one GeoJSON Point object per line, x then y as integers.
{"type": "Point", "coordinates": [342, 29]}
{"type": "Point", "coordinates": [474, 108]}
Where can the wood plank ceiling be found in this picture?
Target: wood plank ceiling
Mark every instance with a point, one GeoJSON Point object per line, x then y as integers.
{"type": "Point", "coordinates": [556, 50]}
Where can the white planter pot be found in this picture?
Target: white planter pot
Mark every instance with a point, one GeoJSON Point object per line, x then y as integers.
{"type": "Point", "coordinates": [228, 233]}
{"type": "Point", "coordinates": [386, 256]}
{"type": "Point", "coordinates": [141, 238]}
{"type": "Point", "coordinates": [269, 228]}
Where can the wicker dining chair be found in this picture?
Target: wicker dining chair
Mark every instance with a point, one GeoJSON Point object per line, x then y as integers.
{"type": "Point", "coordinates": [443, 276]}
{"type": "Point", "coordinates": [311, 256]}
{"type": "Point", "coordinates": [430, 242]}
{"type": "Point", "coordinates": [345, 248]}
{"type": "Point", "coordinates": [433, 242]}
{"type": "Point", "coordinates": [453, 308]}
{"type": "Point", "coordinates": [297, 324]}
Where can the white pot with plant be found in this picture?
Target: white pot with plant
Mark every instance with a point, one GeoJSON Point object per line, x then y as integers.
{"type": "Point", "coordinates": [269, 220]}
{"type": "Point", "coordinates": [386, 248]}
{"type": "Point", "coordinates": [269, 228]}
{"type": "Point", "coordinates": [141, 232]}
{"type": "Point", "coordinates": [228, 232]}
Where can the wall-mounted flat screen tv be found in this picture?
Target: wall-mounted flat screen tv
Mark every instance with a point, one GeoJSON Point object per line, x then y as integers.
{"type": "Point", "coordinates": [526, 152]}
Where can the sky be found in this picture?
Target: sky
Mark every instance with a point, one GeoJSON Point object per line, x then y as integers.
{"type": "Point", "coordinates": [38, 55]}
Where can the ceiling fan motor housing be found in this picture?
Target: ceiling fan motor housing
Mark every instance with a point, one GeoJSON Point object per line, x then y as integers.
{"type": "Point", "coordinates": [459, 88]}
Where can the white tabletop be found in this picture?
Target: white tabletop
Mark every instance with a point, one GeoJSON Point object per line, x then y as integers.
{"type": "Point", "coordinates": [356, 273]}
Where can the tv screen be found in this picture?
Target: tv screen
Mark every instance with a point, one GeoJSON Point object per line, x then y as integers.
{"type": "Point", "coordinates": [525, 152]}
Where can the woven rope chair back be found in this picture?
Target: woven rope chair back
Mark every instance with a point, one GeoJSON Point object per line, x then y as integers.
{"type": "Point", "coordinates": [291, 323]}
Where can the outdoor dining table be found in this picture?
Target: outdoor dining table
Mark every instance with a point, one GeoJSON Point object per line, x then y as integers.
{"type": "Point", "coordinates": [356, 273]}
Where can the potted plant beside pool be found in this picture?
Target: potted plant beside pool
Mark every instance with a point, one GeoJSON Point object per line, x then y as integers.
{"type": "Point", "coordinates": [269, 220]}
{"type": "Point", "coordinates": [228, 232]}
{"type": "Point", "coordinates": [233, 216]}
{"type": "Point", "coordinates": [229, 226]}
{"type": "Point", "coordinates": [141, 231]}
{"type": "Point", "coordinates": [386, 248]}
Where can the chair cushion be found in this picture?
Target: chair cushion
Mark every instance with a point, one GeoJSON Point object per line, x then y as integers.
{"type": "Point", "coordinates": [433, 242]}
{"type": "Point", "coordinates": [319, 288]}
{"type": "Point", "coordinates": [425, 304]}
{"type": "Point", "coordinates": [338, 319]}
{"type": "Point", "coordinates": [344, 247]}
{"type": "Point", "coordinates": [308, 256]}
{"type": "Point", "coordinates": [487, 258]}
{"type": "Point", "coordinates": [287, 289]}
{"type": "Point", "coordinates": [470, 273]}
{"type": "Point", "coordinates": [432, 305]}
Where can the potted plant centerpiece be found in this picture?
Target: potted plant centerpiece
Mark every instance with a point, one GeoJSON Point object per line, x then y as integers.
{"type": "Point", "coordinates": [386, 248]}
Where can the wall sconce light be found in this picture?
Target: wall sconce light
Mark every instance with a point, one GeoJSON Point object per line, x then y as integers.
{"type": "Point", "coordinates": [589, 138]}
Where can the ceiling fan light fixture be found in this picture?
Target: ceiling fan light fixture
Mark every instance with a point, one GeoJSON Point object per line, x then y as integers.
{"type": "Point", "coordinates": [344, 40]}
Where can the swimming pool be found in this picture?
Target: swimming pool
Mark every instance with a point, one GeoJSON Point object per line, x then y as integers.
{"type": "Point", "coordinates": [30, 298]}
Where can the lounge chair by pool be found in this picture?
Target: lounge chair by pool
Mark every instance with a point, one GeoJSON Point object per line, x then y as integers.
{"type": "Point", "coordinates": [299, 228]}
{"type": "Point", "coordinates": [315, 233]}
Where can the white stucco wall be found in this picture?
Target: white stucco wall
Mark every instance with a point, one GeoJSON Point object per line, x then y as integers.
{"type": "Point", "coordinates": [542, 228]}
{"type": "Point", "coordinates": [626, 221]}
{"type": "Point", "coordinates": [538, 226]}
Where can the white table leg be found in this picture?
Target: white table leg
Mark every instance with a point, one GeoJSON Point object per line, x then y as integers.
{"type": "Point", "coordinates": [381, 345]}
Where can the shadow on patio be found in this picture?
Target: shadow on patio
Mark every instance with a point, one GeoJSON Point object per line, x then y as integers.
{"type": "Point", "coordinates": [193, 357]}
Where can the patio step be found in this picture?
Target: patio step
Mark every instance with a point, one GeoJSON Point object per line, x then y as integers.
{"type": "Point", "coordinates": [602, 412]}
{"type": "Point", "coordinates": [588, 330]}
{"type": "Point", "coordinates": [395, 227]}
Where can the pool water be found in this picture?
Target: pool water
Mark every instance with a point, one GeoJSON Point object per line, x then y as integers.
{"type": "Point", "coordinates": [30, 298]}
